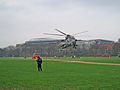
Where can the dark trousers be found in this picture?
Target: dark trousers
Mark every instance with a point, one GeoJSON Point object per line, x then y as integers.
{"type": "Point", "coordinates": [39, 67]}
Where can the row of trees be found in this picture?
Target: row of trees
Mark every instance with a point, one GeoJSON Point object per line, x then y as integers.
{"type": "Point", "coordinates": [51, 49]}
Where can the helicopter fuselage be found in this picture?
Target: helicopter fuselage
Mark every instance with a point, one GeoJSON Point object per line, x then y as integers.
{"type": "Point", "coordinates": [69, 41]}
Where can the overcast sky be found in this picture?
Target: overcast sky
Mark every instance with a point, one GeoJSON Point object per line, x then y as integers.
{"type": "Point", "coordinates": [22, 20]}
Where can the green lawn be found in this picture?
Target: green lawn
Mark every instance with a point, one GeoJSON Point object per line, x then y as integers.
{"type": "Point", "coordinates": [22, 74]}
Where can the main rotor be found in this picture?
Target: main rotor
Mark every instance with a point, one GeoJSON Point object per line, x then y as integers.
{"type": "Point", "coordinates": [64, 34]}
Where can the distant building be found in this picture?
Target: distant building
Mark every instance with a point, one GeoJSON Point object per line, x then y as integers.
{"type": "Point", "coordinates": [102, 47]}
{"type": "Point", "coordinates": [49, 47]}
{"type": "Point", "coordinates": [101, 41]}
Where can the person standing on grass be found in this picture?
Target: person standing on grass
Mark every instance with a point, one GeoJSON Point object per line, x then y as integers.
{"type": "Point", "coordinates": [39, 62]}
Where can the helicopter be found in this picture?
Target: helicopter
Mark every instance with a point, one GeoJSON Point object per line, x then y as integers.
{"type": "Point", "coordinates": [69, 40]}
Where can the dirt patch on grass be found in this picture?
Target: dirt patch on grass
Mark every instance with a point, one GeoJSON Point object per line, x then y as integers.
{"type": "Point", "coordinates": [71, 61]}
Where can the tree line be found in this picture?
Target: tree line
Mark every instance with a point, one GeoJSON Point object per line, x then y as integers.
{"type": "Point", "coordinates": [51, 49]}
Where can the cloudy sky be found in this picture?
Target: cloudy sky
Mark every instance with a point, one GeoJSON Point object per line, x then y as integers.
{"type": "Point", "coordinates": [22, 20]}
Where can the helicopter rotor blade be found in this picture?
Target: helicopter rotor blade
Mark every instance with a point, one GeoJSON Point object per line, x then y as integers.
{"type": "Point", "coordinates": [80, 33]}
{"type": "Point", "coordinates": [53, 34]}
{"type": "Point", "coordinates": [60, 31]}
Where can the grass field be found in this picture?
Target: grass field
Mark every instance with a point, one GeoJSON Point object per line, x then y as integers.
{"type": "Point", "coordinates": [22, 74]}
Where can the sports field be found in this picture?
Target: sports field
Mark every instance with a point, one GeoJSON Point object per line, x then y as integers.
{"type": "Point", "coordinates": [22, 74]}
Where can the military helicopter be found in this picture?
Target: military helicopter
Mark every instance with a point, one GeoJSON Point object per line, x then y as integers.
{"type": "Point", "coordinates": [69, 40]}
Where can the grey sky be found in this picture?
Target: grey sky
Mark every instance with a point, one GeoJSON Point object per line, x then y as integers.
{"type": "Point", "coordinates": [21, 20]}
